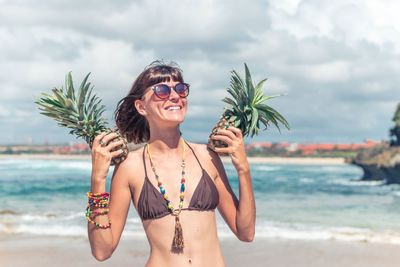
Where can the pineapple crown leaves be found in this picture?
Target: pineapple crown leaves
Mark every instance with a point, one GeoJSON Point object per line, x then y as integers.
{"type": "Point", "coordinates": [80, 111]}
{"type": "Point", "coordinates": [247, 108]}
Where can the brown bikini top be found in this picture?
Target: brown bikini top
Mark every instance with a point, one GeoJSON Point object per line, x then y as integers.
{"type": "Point", "coordinates": [152, 205]}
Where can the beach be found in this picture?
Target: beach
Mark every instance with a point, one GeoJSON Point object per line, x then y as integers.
{"type": "Point", "coordinates": [25, 251]}
{"type": "Point", "coordinates": [311, 212]}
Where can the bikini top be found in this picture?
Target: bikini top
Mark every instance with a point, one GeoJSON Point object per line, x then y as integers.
{"type": "Point", "coordinates": [152, 205]}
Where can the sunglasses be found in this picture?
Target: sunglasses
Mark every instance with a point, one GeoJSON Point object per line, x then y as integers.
{"type": "Point", "coordinates": [163, 91]}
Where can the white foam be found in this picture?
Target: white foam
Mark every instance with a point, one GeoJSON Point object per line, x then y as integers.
{"type": "Point", "coordinates": [306, 232]}
{"type": "Point", "coordinates": [48, 216]}
{"type": "Point", "coordinates": [355, 182]}
{"type": "Point", "coordinates": [306, 180]}
{"type": "Point", "coordinates": [264, 229]}
{"type": "Point", "coordinates": [58, 230]}
{"type": "Point", "coordinates": [41, 164]}
{"type": "Point", "coordinates": [81, 165]}
{"type": "Point", "coordinates": [266, 168]}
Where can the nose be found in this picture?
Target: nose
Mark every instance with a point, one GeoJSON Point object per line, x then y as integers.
{"type": "Point", "coordinates": [174, 95]}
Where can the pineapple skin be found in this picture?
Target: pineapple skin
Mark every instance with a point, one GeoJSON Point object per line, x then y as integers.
{"type": "Point", "coordinates": [125, 150]}
{"type": "Point", "coordinates": [223, 123]}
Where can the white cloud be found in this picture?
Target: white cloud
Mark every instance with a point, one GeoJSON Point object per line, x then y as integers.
{"type": "Point", "coordinates": [337, 61]}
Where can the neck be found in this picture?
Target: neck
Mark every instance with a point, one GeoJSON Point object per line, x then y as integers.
{"type": "Point", "coordinates": [165, 141]}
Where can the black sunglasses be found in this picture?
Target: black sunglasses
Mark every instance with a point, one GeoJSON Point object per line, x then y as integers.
{"type": "Point", "coordinates": [163, 91]}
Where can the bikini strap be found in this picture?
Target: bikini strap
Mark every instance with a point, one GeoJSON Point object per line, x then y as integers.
{"type": "Point", "coordinates": [144, 161]}
{"type": "Point", "coordinates": [194, 154]}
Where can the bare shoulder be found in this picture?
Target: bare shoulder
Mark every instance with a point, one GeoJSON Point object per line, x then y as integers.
{"type": "Point", "coordinates": [203, 150]}
{"type": "Point", "coordinates": [130, 167]}
{"type": "Point", "coordinates": [209, 159]}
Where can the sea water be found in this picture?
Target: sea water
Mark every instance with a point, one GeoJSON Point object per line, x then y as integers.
{"type": "Point", "coordinates": [48, 197]}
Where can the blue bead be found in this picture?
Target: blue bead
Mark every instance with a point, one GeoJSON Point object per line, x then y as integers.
{"type": "Point", "coordinates": [182, 187]}
{"type": "Point", "coordinates": [162, 190]}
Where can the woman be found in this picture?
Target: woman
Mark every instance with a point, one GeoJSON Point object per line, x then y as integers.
{"type": "Point", "coordinates": [174, 185]}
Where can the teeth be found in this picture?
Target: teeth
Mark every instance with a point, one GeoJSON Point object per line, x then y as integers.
{"type": "Point", "coordinates": [174, 108]}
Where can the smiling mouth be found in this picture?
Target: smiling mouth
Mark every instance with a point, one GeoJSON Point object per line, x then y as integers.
{"type": "Point", "coordinates": [174, 108]}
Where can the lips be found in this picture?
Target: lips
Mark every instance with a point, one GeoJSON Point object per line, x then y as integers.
{"type": "Point", "coordinates": [174, 107]}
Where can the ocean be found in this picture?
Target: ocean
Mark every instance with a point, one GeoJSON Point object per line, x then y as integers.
{"type": "Point", "coordinates": [318, 202]}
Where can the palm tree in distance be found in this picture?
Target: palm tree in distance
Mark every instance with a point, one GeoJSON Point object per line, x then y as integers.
{"type": "Point", "coordinates": [395, 131]}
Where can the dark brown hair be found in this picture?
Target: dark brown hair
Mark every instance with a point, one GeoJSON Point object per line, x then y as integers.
{"type": "Point", "coordinates": [130, 123]}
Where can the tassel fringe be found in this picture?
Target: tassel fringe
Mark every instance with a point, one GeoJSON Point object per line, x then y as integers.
{"type": "Point", "coordinates": [177, 243]}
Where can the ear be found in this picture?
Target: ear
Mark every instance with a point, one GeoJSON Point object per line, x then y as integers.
{"type": "Point", "coordinates": [139, 105]}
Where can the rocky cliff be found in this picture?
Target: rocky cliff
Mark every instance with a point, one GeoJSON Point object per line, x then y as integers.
{"type": "Point", "coordinates": [379, 163]}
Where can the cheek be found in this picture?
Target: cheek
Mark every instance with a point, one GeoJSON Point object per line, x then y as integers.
{"type": "Point", "coordinates": [185, 102]}
{"type": "Point", "coordinates": [185, 105]}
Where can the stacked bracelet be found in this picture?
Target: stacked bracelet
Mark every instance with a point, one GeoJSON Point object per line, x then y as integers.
{"type": "Point", "coordinates": [97, 200]}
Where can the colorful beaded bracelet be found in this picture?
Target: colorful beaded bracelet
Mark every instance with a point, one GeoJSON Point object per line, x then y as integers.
{"type": "Point", "coordinates": [90, 212]}
{"type": "Point", "coordinates": [97, 200]}
{"type": "Point", "coordinates": [90, 194]}
{"type": "Point", "coordinates": [99, 225]}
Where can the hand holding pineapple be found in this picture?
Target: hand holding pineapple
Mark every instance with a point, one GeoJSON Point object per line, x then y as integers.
{"type": "Point", "coordinates": [233, 137]}
{"type": "Point", "coordinates": [246, 110]}
{"type": "Point", "coordinates": [103, 151]}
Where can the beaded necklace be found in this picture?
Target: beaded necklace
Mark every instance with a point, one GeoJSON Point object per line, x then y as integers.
{"type": "Point", "coordinates": [177, 243]}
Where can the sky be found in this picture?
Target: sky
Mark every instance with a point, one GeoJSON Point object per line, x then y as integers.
{"type": "Point", "coordinates": [336, 62]}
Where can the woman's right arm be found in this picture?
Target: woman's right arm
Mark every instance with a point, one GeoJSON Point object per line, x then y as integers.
{"type": "Point", "coordinates": [104, 241]}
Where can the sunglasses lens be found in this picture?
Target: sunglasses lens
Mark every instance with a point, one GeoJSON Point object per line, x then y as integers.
{"type": "Point", "coordinates": [162, 91]}
{"type": "Point", "coordinates": [182, 89]}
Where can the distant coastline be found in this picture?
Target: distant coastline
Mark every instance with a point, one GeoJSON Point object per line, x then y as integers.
{"type": "Point", "coordinates": [273, 160]}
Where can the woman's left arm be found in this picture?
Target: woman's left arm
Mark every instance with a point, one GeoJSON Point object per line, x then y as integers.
{"type": "Point", "coordinates": [240, 214]}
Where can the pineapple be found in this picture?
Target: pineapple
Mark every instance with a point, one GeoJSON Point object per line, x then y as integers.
{"type": "Point", "coordinates": [246, 109]}
{"type": "Point", "coordinates": [80, 112]}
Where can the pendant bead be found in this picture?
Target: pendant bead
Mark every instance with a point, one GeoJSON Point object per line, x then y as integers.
{"type": "Point", "coordinates": [162, 190]}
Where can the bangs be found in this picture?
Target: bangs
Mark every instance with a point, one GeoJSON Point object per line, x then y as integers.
{"type": "Point", "coordinates": [163, 73]}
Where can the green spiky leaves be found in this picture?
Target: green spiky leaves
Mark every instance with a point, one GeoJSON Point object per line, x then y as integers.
{"type": "Point", "coordinates": [80, 111]}
{"type": "Point", "coordinates": [247, 109]}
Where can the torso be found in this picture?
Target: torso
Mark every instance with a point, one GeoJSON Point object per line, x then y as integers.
{"type": "Point", "coordinates": [199, 227]}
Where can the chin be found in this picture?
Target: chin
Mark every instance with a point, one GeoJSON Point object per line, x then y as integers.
{"type": "Point", "coordinates": [175, 120]}
{"type": "Point", "coordinates": [177, 117]}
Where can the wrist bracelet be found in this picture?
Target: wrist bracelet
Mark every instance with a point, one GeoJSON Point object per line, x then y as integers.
{"type": "Point", "coordinates": [98, 200]}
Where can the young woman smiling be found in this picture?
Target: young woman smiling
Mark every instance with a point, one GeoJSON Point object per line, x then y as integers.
{"type": "Point", "coordinates": [174, 185]}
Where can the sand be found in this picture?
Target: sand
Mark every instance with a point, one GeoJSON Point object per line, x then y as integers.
{"type": "Point", "coordinates": [37, 251]}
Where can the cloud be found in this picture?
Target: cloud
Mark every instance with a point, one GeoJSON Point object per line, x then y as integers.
{"type": "Point", "coordinates": [337, 62]}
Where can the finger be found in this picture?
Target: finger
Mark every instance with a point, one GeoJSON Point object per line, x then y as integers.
{"type": "Point", "coordinates": [236, 131]}
{"type": "Point", "coordinates": [223, 138]}
{"type": "Point", "coordinates": [115, 144]}
{"type": "Point", "coordinates": [117, 152]}
{"type": "Point", "coordinates": [110, 136]}
{"type": "Point", "coordinates": [222, 150]}
{"type": "Point", "coordinates": [96, 140]}
{"type": "Point", "coordinates": [226, 133]}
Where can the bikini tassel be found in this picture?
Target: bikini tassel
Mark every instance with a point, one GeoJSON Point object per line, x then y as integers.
{"type": "Point", "coordinates": [177, 243]}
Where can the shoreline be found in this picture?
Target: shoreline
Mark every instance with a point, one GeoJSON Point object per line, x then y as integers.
{"type": "Point", "coordinates": [254, 160]}
{"type": "Point", "coordinates": [49, 251]}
